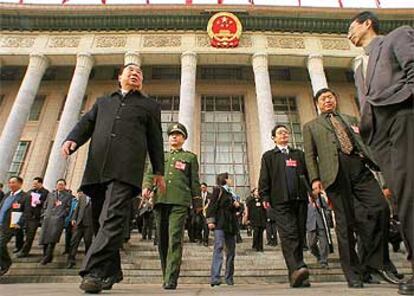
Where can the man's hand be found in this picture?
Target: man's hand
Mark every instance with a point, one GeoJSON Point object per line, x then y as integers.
{"type": "Point", "coordinates": [68, 147]}
{"type": "Point", "coordinates": [266, 205]}
{"type": "Point", "coordinates": [387, 193]}
{"type": "Point", "coordinates": [211, 226]}
{"type": "Point", "coordinates": [17, 226]}
{"type": "Point", "coordinates": [160, 183]}
{"type": "Point", "coordinates": [236, 204]}
{"type": "Point", "coordinates": [316, 187]}
{"type": "Point", "coordinates": [73, 222]}
{"type": "Point", "coordinates": [146, 193]}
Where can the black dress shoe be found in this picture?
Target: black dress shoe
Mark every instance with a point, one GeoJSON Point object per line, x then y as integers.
{"type": "Point", "coordinates": [16, 250]}
{"type": "Point", "coordinates": [70, 265]}
{"type": "Point", "coordinates": [388, 276]}
{"type": "Point", "coordinates": [22, 255]}
{"type": "Point", "coordinates": [215, 284]}
{"type": "Point", "coordinates": [298, 276]}
{"type": "Point", "coordinates": [108, 282]}
{"type": "Point", "coordinates": [91, 284]}
{"type": "Point", "coordinates": [355, 284]}
{"type": "Point", "coordinates": [306, 284]}
{"type": "Point", "coordinates": [407, 288]}
{"type": "Point", "coordinates": [170, 286]}
{"type": "Point", "coordinates": [369, 279]}
{"type": "Point", "coordinates": [4, 270]}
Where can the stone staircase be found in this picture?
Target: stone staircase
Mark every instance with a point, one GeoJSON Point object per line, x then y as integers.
{"type": "Point", "coordinates": [141, 264]}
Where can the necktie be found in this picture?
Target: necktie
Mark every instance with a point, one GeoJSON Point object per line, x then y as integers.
{"type": "Point", "coordinates": [341, 134]}
{"type": "Point", "coordinates": [284, 151]}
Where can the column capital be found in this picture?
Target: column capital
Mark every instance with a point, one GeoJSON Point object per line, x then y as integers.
{"type": "Point", "coordinates": [314, 57]}
{"type": "Point", "coordinates": [189, 53]}
{"type": "Point", "coordinates": [84, 59]}
{"type": "Point", "coordinates": [132, 57]}
{"type": "Point", "coordinates": [260, 61]}
{"type": "Point", "coordinates": [38, 61]}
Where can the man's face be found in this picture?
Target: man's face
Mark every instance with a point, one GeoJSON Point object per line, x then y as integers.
{"type": "Point", "coordinates": [327, 102]}
{"type": "Point", "coordinates": [60, 186]}
{"type": "Point", "coordinates": [131, 78]}
{"type": "Point", "coordinates": [176, 140]}
{"type": "Point", "coordinates": [36, 184]}
{"type": "Point", "coordinates": [14, 184]}
{"type": "Point", "coordinates": [357, 32]}
{"type": "Point", "coordinates": [281, 136]}
{"type": "Point", "coordinates": [203, 188]}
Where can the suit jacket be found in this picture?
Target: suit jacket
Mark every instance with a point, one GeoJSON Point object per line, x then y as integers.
{"type": "Point", "coordinates": [19, 205]}
{"type": "Point", "coordinates": [314, 218]}
{"type": "Point", "coordinates": [273, 186]}
{"type": "Point", "coordinates": [83, 212]}
{"type": "Point", "coordinates": [34, 213]}
{"type": "Point", "coordinates": [122, 130]}
{"type": "Point", "coordinates": [321, 149]}
{"type": "Point", "coordinates": [390, 75]}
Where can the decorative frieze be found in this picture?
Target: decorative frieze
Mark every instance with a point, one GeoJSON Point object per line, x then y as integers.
{"type": "Point", "coordinates": [286, 42]}
{"type": "Point", "coordinates": [110, 41]}
{"type": "Point", "coordinates": [203, 41]}
{"type": "Point", "coordinates": [162, 41]}
{"type": "Point", "coordinates": [245, 41]}
{"type": "Point", "coordinates": [16, 41]}
{"type": "Point", "coordinates": [56, 42]}
{"type": "Point", "coordinates": [335, 44]}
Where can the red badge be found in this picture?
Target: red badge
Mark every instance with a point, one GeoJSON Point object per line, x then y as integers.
{"type": "Point", "coordinates": [355, 129]}
{"type": "Point", "coordinates": [16, 206]}
{"type": "Point", "coordinates": [58, 203]}
{"type": "Point", "coordinates": [180, 165]}
{"type": "Point", "coordinates": [224, 30]}
{"type": "Point", "coordinates": [291, 163]}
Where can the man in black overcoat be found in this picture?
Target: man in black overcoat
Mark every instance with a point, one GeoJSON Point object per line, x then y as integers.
{"type": "Point", "coordinates": [123, 127]}
{"type": "Point", "coordinates": [281, 184]}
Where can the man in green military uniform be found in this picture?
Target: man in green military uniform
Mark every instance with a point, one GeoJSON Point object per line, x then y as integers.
{"type": "Point", "coordinates": [171, 207]}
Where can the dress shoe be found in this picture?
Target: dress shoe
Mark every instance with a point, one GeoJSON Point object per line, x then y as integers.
{"type": "Point", "coordinates": [16, 250]}
{"type": "Point", "coordinates": [324, 265]}
{"type": "Point", "coordinates": [355, 284]}
{"type": "Point", "coordinates": [91, 284]}
{"type": "Point", "coordinates": [388, 276]}
{"type": "Point", "coordinates": [170, 286]}
{"type": "Point", "coordinates": [22, 255]}
{"type": "Point", "coordinates": [298, 276]}
{"type": "Point", "coordinates": [369, 279]}
{"type": "Point", "coordinates": [70, 265]}
{"type": "Point", "coordinates": [407, 288]}
{"type": "Point", "coordinates": [205, 244]}
{"type": "Point", "coordinates": [230, 282]}
{"type": "Point", "coordinates": [215, 284]}
{"type": "Point", "coordinates": [398, 275]}
{"type": "Point", "coordinates": [108, 282]}
{"type": "Point", "coordinates": [306, 284]}
{"type": "Point", "coordinates": [45, 260]}
{"type": "Point", "coordinates": [4, 270]}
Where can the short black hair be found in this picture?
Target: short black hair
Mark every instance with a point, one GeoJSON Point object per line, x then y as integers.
{"type": "Point", "coordinates": [18, 178]}
{"type": "Point", "coordinates": [367, 15]}
{"type": "Point", "coordinates": [322, 91]}
{"type": "Point", "coordinates": [277, 126]}
{"type": "Point", "coordinates": [38, 179]}
{"type": "Point", "coordinates": [204, 183]}
{"type": "Point", "coordinates": [1, 185]}
{"type": "Point", "coordinates": [61, 179]}
{"type": "Point", "coordinates": [121, 68]}
{"type": "Point", "coordinates": [221, 179]}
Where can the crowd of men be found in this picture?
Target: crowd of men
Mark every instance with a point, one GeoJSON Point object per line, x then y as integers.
{"type": "Point", "coordinates": [296, 190]}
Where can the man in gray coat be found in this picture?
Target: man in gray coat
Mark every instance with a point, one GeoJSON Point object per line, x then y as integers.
{"type": "Point", "coordinates": [56, 210]}
{"type": "Point", "coordinates": [385, 83]}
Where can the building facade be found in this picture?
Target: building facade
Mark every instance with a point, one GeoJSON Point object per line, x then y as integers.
{"type": "Point", "coordinates": [56, 61]}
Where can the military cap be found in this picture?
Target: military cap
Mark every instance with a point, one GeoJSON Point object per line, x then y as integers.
{"type": "Point", "coordinates": [177, 127]}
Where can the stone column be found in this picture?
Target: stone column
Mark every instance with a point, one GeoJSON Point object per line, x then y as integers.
{"type": "Point", "coordinates": [316, 72]}
{"type": "Point", "coordinates": [187, 95]}
{"type": "Point", "coordinates": [19, 113]}
{"type": "Point", "coordinates": [264, 99]}
{"type": "Point", "coordinates": [57, 164]}
{"type": "Point", "coordinates": [132, 57]}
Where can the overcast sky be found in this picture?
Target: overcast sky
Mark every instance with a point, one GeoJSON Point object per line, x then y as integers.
{"type": "Point", "coordinates": [315, 3]}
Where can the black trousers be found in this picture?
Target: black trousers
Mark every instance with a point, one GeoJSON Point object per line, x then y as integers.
{"type": "Point", "coordinates": [68, 237]}
{"type": "Point", "coordinates": [19, 236]}
{"type": "Point", "coordinates": [356, 182]}
{"type": "Point", "coordinates": [258, 238]}
{"type": "Point", "coordinates": [31, 229]}
{"type": "Point", "coordinates": [206, 231]}
{"type": "Point", "coordinates": [79, 232]}
{"type": "Point", "coordinates": [393, 146]}
{"type": "Point", "coordinates": [271, 232]}
{"type": "Point", "coordinates": [147, 225]}
{"type": "Point", "coordinates": [6, 234]}
{"type": "Point", "coordinates": [291, 224]}
{"type": "Point", "coordinates": [109, 211]}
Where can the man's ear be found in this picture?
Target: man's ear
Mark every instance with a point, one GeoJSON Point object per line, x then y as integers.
{"type": "Point", "coordinates": [368, 23]}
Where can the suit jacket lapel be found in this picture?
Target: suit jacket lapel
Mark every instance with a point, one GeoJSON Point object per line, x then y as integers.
{"type": "Point", "coordinates": [322, 121]}
{"type": "Point", "coordinates": [372, 62]}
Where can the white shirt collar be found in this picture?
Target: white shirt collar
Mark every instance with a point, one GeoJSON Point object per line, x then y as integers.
{"type": "Point", "coordinates": [17, 192]}
{"type": "Point", "coordinates": [280, 147]}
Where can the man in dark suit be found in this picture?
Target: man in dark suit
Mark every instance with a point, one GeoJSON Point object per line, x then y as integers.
{"type": "Point", "coordinates": [1, 192]}
{"type": "Point", "coordinates": [206, 198]}
{"type": "Point", "coordinates": [282, 174]}
{"type": "Point", "coordinates": [11, 218]}
{"type": "Point", "coordinates": [32, 212]}
{"type": "Point", "coordinates": [385, 84]}
{"type": "Point", "coordinates": [123, 127]}
{"type": "Point", "coordinates": [81, 221]}
{"type": "Point", "coordinates": [337, 161]}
